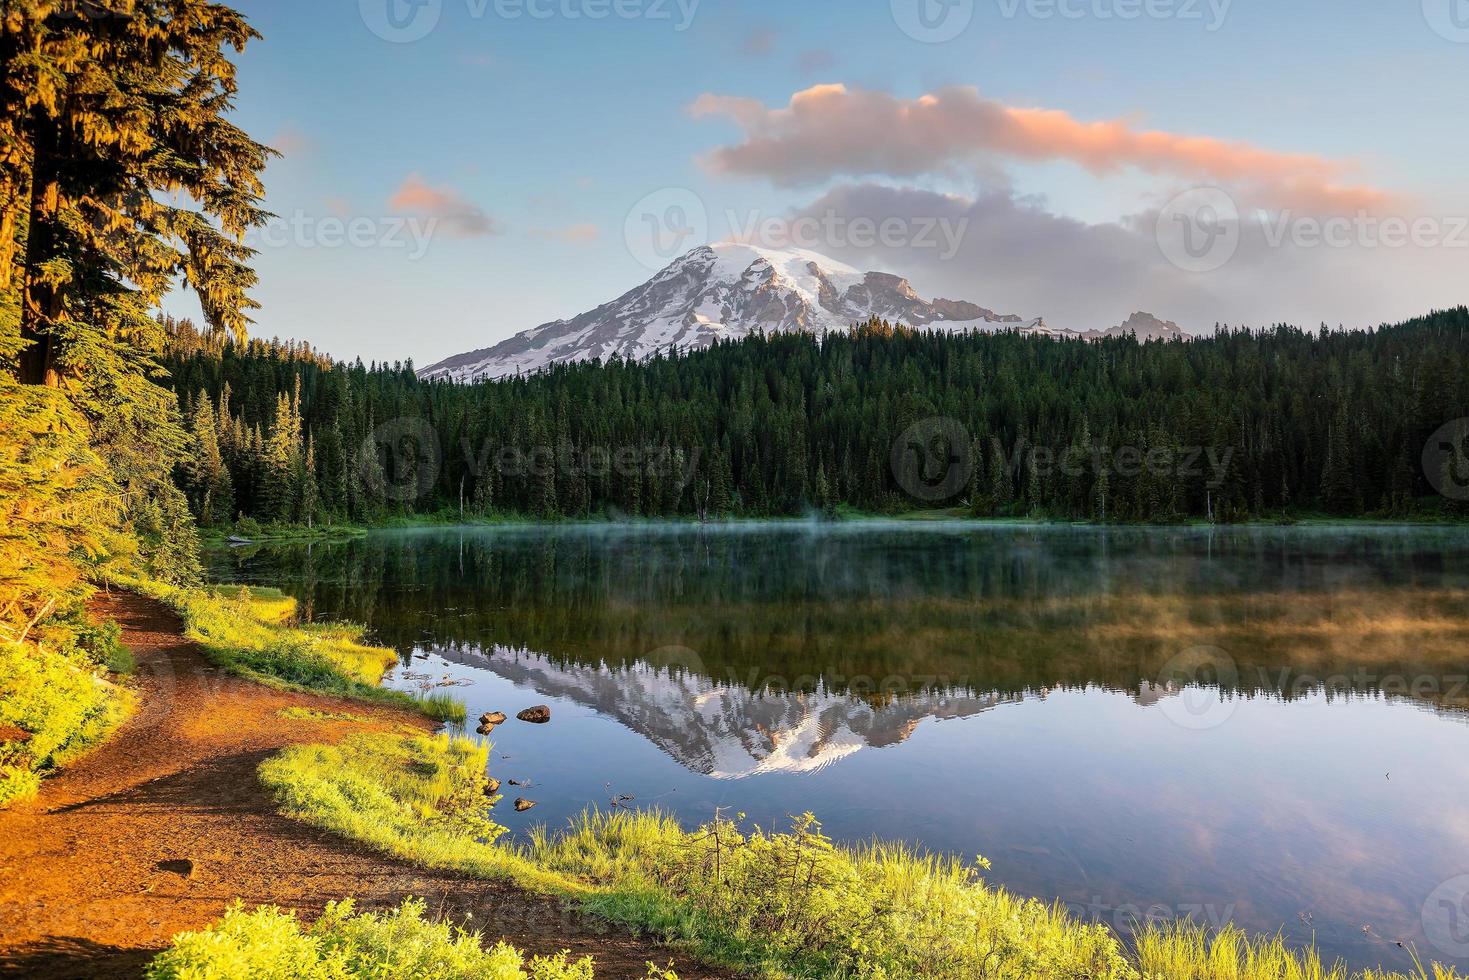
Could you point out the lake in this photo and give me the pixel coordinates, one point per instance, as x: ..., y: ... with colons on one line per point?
x: 1258, y: 725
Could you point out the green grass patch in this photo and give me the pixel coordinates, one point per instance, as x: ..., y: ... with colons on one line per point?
x: 788, y: 904
x: 269, y: 944
x: 1187, y: 953
x: 251, y: 633
x: 420, y: 797
x: 311, y: 714
x: 263, y: 604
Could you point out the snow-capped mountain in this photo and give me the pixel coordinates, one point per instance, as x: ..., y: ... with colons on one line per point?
x: 726, y: 291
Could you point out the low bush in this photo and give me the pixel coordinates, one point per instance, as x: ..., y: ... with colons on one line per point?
x: 269, y: 944
x: 56, y: 701
x: 248, y: 528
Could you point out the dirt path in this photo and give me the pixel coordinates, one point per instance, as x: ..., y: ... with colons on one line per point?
x: 89, y: 886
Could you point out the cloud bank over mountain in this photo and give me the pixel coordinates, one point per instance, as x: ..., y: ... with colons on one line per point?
x: 1019, y: 254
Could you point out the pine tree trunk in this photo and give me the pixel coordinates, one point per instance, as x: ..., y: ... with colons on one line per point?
x: 15, y: 183
x: 40, y: 304
x: 14, y: 192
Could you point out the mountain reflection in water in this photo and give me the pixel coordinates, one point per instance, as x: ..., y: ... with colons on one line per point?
x: 1264, y: 724
x: 728, y: 731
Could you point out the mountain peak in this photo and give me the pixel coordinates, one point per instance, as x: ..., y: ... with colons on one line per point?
x: 725, y: 291
x: 1147, y: 327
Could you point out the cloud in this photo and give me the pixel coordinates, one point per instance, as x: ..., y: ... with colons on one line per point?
x: 815, y: 60
x: 759, y: 43
x: 291, y: 141
x: 457, y: 216
x: 828, y: 131
x: 579, y: 234
x: 1016, y: 256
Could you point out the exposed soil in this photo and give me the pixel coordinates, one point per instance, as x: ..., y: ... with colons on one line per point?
x: 160, y: 829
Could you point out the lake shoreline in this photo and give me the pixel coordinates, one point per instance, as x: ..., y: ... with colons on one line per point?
x: 152, y: 833
x: 287, y: 534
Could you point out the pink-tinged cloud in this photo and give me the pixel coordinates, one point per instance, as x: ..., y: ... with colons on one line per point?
x: 831, y: 130
x: 457, y: 215
x: 291, y: 142
x: 582, y: 234
x: 1017, y: 255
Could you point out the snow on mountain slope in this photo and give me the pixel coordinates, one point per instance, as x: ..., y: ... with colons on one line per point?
x: 726, y: 291
x: 726, y: 730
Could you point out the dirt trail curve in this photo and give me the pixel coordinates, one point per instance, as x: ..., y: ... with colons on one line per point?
x: 89, y: 886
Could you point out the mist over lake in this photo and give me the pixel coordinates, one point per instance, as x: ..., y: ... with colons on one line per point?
x: 1257, y: 725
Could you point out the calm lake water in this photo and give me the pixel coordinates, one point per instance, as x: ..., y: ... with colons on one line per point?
x: 1259, y: 725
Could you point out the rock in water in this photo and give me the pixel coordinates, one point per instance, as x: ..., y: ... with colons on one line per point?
x: 492, y: 786
x: 492, y: 718
x: 538, y: 715
x: 523, y: 805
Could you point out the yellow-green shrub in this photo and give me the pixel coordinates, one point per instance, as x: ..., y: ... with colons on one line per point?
x: 268, y: 944
x: 61, y: 701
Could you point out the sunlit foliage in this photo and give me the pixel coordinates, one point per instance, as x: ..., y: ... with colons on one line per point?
x: 267, y: 943
x: 779, y: 904
x: 120, y: 175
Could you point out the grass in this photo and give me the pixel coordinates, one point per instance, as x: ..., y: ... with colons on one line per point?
x: 1184, y: 953
x: 420, y: 797
x: 776, y: 904
x: 251, y: 633
x: 269, y: 606
x: 269, y: 944
x: 311, y: 714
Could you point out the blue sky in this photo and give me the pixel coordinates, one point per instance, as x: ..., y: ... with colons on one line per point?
x: 525, y: 142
